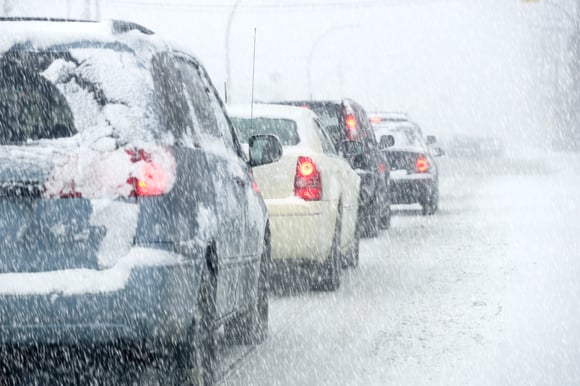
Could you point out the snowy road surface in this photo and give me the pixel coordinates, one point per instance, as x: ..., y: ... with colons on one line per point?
x: 484, y: 292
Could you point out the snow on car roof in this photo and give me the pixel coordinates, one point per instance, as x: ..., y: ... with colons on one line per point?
x: 302, y: 116
x: 41, y: 34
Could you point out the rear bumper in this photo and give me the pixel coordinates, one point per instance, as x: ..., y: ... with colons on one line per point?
x: 155, y: 303
x: 411, y: 190
x: 301, y: 230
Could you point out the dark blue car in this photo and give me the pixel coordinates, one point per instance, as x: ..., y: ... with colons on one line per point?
x: 127, y: 207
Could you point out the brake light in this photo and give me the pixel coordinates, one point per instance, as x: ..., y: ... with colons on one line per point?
x: 154, y: 174
x: 422, y: 164
x: 375, y: 120
x: 255, y: 186
x: 382, y: 168
x: 351, y: 127
x: 307, y: 182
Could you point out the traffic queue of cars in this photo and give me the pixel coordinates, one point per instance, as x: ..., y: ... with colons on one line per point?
x: 135, y: 210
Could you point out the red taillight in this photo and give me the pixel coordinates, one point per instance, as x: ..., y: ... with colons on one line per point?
x: 375, y: 120
x: 351, y: 127
x: 382, y: 168
x: 422, y: 164
x: 307, y: 182
x: 154, y: 174
x: 255, y: 186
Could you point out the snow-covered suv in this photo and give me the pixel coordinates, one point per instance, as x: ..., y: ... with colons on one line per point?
x: 127, y: 208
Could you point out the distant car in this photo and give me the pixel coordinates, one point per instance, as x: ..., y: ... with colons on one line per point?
x: 346, y: 121
x: 414, y: 176
x: 476, y: 147
x: 127, y: 212
x: 311, y: 192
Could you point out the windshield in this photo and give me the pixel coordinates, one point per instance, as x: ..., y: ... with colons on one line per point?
x: 284, y: 129
x: 84, y: 90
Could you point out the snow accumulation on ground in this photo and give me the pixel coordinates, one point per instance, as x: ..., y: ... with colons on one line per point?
x: 485, y: 292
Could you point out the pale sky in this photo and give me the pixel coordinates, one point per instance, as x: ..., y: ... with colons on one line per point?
x: 467, y: 66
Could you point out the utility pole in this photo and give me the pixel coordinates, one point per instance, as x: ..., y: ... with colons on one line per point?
x: 87, y: 10
x: 228, y: 86
x: 98, y: 9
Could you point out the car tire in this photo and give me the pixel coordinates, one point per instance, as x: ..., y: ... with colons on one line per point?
x: 251, y: 327
x: 328, y: 275
x: 195, y: 357
x: 352, y: 258
x: 370, y: 221
x: 385, y: 222
x: 431, y: 204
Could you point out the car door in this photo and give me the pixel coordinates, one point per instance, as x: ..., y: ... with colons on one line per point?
x: 251, y: 227
x: 227, y: 174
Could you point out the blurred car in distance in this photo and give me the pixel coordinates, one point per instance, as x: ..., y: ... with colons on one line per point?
x: 311, y: 193
x: 414, y: 174
x: 475, y: 147
x: 347, y: 122
x: 127, y: 213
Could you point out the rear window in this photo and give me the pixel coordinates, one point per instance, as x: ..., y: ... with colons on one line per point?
x: 82, y: 88
x: 404, y: 135
x: 284, y: 129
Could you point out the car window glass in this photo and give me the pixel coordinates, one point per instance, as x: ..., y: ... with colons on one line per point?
x: 205, y: 110
x: 325, y: 141
x: 172, y: 99
x: 223, y: 123
x: 200, y: 109
x: 76, y: 89
x: 284, y: 129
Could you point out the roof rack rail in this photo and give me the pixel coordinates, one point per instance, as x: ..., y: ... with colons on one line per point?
x: 121, y: 26
x: 28, y: 18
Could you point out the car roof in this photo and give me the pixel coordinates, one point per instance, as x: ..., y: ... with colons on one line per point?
x: 43, y: 33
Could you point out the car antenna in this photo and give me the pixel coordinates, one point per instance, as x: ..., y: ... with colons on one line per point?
x: 253, y: 81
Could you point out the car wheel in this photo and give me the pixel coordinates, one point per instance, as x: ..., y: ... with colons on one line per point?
x: 252, y: 326
x: 431, y: 204
x: 385, y: 222
x: 328, y: 276
x: 370, y: 221
x: 196, y: 356
x: 351, y: 259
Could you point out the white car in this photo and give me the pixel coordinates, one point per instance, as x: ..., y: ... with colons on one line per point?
x: 311, y: 193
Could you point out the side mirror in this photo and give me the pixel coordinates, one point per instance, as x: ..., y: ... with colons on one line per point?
x: 351, y: 148
x: 437, y: 152
x: 386, y: 141
x: 264, y: 149
x: 431, y: 139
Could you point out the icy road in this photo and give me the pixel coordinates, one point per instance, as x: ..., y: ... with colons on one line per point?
x: 484, y: 292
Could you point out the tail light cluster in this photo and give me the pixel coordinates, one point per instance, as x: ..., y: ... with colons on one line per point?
x: 154, y: 172
x: 307, y: 182
x: 120, y: 173
x: 351, y: 127
x: 422, y: 164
